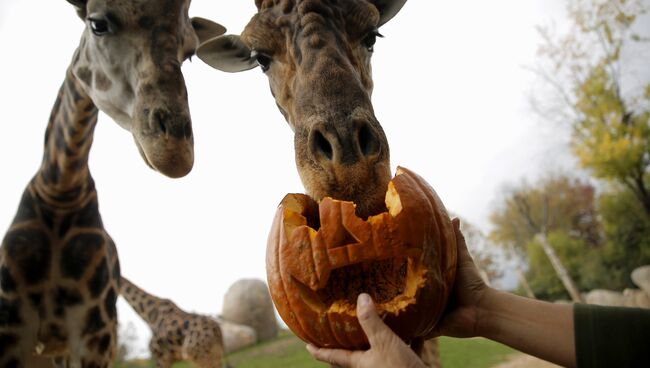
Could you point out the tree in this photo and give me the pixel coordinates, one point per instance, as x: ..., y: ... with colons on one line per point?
x: 485, y: 254
x: 126, y: 339
x: 530, y: 216
x: 585, y: 69
x: 627, y: 234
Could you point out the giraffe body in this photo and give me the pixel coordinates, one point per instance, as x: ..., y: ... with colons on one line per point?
x: 59, y: 269
x: 176, y: 334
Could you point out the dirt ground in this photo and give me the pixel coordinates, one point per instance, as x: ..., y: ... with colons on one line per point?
x: 524, y: 361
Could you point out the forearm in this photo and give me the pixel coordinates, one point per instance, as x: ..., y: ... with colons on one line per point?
x: 538, y: 328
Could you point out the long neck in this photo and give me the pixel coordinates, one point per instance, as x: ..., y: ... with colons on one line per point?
x: 148, y: 307
x: 64, y: 176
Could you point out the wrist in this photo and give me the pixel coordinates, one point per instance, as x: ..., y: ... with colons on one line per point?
x: 485, y: 306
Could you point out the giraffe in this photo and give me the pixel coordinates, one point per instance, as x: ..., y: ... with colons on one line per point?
x: 176, y: 334
x: 316, y: 55
x: 59, y: 269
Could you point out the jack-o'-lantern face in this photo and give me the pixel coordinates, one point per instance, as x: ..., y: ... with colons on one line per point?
x: 320, y: 257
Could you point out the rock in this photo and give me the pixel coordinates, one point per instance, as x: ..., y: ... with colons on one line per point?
x: 247, y: 302
x: 605, y: 297
x: 635, y: 298
x: 641, y: 277
x: 236, y: 336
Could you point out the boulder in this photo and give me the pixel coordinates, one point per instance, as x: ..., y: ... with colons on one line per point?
x: 641, y: 278
x: 236, y: 336
x: 604, y: 297
x: 635, y: 298
x: 247, y: 302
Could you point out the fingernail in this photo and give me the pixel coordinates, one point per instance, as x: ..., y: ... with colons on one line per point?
x: 363, y: 300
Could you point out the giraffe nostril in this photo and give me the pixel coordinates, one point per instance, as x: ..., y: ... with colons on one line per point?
x: 321, y: 145
x: 368, y: 141
x: 159, y: 121
x: 162, y: 127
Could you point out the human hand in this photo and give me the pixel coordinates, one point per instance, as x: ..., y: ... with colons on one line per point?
x: 386, y: 348
x: 461, y: 316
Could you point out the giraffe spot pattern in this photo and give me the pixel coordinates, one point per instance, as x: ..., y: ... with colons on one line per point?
x: 26, y: 209
x: 29, y: 250
x: 65, y: 297
x: 35, y: 298
x: 7, y: 282
x: 99, y: 280
x: 94, y: 321
x: 78, y: 252
x: 9, y: 312
x: 102, y: 82
x: 12, y: 363
x: 7, y: 340
x: 104, y: 344
x: 85, y: 75
x: 88, y: 216
x: 109, y: 304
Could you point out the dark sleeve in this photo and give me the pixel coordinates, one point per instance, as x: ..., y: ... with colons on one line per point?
x: 611, y: 336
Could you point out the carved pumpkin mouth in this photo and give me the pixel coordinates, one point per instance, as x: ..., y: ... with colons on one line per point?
x: 321, y: 256
x: 391, y: 276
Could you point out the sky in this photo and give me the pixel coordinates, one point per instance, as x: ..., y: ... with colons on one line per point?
x: 451, y: 92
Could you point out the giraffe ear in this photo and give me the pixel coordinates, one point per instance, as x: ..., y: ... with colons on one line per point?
x: 387, y: 9
x: 206, y: 29
x: 226, y: 53
x: 80, y: 6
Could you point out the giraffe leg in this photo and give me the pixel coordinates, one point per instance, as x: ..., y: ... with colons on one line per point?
x: 18, y: 326
x: 161, y: 356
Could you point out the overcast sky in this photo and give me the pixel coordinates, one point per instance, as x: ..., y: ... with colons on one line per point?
x: 451, y: 92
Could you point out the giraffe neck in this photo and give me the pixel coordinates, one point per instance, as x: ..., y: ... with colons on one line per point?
x: 149, y: 307
x: 64, y: 177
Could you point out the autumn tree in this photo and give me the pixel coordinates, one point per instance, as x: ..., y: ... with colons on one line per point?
x: 487, y: 257
x: 596, y: 91
x: 530, y: 218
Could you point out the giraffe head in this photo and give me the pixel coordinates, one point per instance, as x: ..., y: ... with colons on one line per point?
x: 129, y: 63
x: 316, y: 55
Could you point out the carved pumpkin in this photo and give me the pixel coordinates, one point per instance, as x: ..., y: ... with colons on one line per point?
x: 320, y: 257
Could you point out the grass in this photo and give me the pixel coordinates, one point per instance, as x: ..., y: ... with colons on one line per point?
x: 287, y: 351
x: 474, y: 353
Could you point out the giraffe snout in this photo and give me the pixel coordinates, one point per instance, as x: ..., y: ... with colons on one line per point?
x: 162, y: 121
x: 349, y: 145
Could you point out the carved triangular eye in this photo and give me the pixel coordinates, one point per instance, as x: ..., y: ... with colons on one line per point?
x: 342, y: 238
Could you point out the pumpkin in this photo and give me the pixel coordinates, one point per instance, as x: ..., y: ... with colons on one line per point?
x: 321, y: 256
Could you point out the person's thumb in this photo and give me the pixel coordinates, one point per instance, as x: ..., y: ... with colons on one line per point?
x: 371, y: 324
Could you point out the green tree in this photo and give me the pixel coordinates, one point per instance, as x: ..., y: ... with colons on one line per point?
x: 584, y: 264
x: 586, y: 70
x: 627, y: 233
x: 540, y: 218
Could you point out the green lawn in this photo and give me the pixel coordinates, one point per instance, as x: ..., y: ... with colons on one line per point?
x: 472, y: 353
x: 287, y: 351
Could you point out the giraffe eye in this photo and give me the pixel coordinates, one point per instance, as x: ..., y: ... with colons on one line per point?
x: 369, y: 41
x: 100, y: 27
x: 263, y: 60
